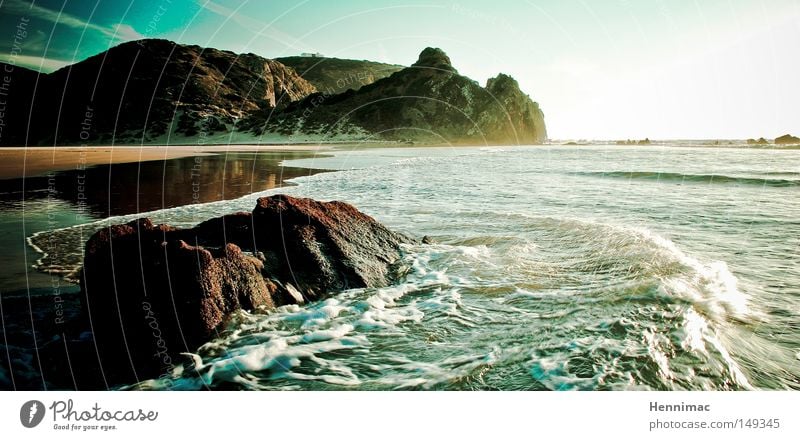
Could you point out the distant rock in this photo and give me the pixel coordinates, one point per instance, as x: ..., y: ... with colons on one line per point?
x: 787, y: 139
x: 760, y: 141
x: 645, y: 141
x: 510, y: 116
x: 152, y: 292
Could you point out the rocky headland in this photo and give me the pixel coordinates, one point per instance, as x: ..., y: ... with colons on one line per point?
x: 428, y: 102
x: 157, y: 92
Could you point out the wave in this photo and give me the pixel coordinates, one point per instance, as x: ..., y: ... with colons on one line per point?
x: 664, y: 312
x: 614, y: 254
x: 322, y: 342
x: 693, y: 178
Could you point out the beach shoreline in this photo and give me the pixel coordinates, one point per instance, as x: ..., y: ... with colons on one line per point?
x: 20, y: 162
x: 23, y: 162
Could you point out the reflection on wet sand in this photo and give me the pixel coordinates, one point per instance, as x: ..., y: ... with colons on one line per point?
x: 129, y: 188
x: 67, y: 198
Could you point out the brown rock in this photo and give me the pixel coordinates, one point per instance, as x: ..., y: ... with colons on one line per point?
x: 230, y: 228
x: 323, y: 246
x: 152, y: 292
x: 150, y: 296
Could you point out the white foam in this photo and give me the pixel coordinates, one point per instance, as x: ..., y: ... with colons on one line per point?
x: 712, y: 285
x: 552, y: 372
x: 286, y: 342
x: 695, y: 327
x: 653, y: 342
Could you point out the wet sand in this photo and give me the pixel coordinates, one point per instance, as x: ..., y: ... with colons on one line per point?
x: 37, y: 161
x: 69, y: 197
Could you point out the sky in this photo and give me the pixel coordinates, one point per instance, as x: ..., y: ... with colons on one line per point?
x: 611, y: 69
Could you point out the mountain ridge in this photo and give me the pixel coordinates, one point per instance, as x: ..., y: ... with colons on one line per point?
x: 159, y: 92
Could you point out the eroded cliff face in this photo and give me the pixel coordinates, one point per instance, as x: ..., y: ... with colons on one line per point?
x: 511, y: 116
x: 426, y: 102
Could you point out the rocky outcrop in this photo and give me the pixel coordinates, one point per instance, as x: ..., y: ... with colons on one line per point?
x: 427, y: 102
x: 645, y: 141
x: 152, y: 292
x: 760, y: 141
x: 510, y: 116
x: 434, y: 58
x: 787, y: 139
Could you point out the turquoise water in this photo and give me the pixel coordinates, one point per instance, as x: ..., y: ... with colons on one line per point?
x: 555, y: 267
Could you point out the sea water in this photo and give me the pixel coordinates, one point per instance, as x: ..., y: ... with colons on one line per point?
x: 553, y: 268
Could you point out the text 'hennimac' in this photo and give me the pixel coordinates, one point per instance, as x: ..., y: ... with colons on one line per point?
x: 679, y: 407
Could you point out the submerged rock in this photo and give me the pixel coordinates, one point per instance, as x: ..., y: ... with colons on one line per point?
x: 152, y: 292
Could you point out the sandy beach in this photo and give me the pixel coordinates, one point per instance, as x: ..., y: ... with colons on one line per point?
x: 36, y: 161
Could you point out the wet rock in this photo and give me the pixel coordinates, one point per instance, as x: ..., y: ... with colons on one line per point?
x: 323, y: 246
x: 149, y: 295
x: 151, y: 292
x: 230, y: 228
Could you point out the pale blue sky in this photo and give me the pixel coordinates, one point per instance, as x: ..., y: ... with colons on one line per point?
x: 600, y: 69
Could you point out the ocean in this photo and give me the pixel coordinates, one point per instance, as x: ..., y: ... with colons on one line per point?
x: 588, y: 267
